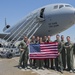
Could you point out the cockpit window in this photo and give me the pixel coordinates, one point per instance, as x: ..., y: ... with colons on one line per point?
x: 56, y: 6
x: 67, y: 6
x: 60, y: 6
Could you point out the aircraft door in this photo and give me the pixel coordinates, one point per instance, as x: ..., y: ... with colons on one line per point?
x: 42, y: 13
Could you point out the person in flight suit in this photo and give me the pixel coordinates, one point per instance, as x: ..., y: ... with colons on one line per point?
x: 24, y: 52
x: 41, y: 61
x: 32, y: 61
x: 26, y: 57
x: 37, y: 60
x: 58, y: 60
x: 48, y: 61
x: 45, y: 60
x: 51, y: 60
x: 45, y: 39
x: 69, y: 48
x: 63, y: 52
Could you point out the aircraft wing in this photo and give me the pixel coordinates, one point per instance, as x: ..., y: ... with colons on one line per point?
x: 2, y: 35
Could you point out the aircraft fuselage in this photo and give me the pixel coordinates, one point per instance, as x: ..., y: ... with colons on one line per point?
x: 56, y: 18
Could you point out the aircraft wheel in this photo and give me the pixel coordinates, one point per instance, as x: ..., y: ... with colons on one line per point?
x: 9, y: 55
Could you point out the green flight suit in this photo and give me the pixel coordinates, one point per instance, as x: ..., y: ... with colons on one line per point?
x: 69, y: 55
x: 23, y: 54
x: 26, y: 57
x: 21, y: 59
x: 63, y: 52
x: 58, y: 60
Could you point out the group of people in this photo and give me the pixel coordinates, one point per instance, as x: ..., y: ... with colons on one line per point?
x: 63, y: 61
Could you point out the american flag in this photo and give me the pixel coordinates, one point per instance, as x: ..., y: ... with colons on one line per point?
x: 43, y: 51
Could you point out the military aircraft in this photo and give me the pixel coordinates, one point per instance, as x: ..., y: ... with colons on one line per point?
x: 47, y: 20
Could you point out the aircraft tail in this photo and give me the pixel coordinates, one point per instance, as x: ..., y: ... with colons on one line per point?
x: 6, y: 26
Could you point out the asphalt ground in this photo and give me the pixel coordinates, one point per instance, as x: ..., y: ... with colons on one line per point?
x: 10, y: 67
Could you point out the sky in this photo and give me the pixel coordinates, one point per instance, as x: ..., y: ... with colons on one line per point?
x: 15, y: 10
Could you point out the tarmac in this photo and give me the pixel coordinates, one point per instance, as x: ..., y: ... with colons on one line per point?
x: 10, y: 67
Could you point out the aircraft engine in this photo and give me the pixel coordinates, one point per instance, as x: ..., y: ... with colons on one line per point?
x: 6, y: 27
